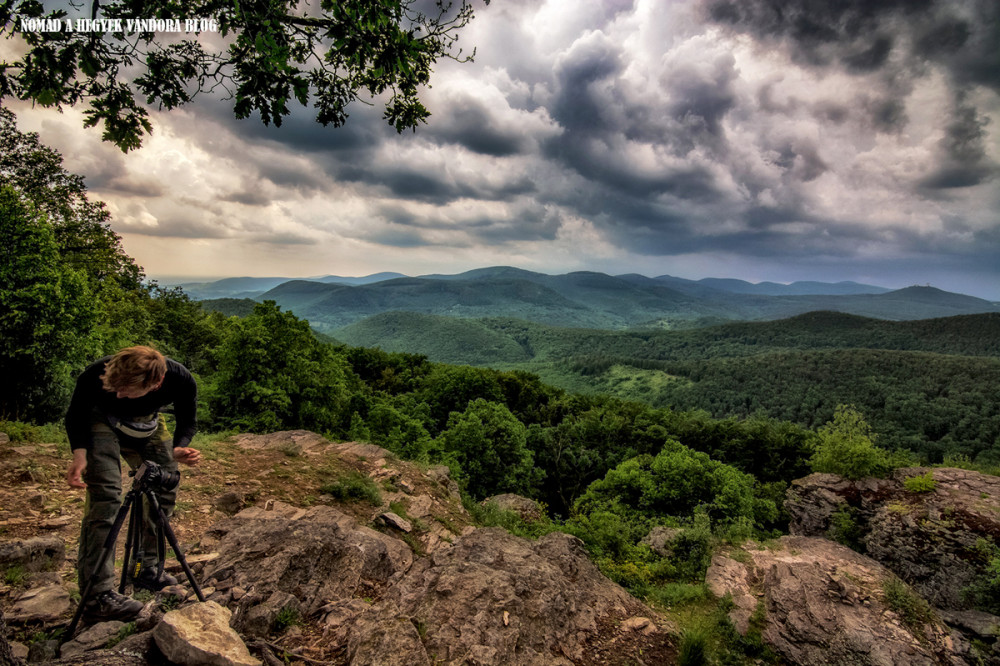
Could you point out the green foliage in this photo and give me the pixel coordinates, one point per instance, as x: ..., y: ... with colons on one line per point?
x: 491, y: 515
x: 694, y: 647
x: 846, y: 447
x: 911, y: 607
x: 126, y: 630
x: 923, y: 483
x: 328, y: 56
x: 673, y: 484
x: 984, y: 592
x: 289, y: 616
x: 15, y: 575
x: 354, y: 486
x: 845, y: 530
x: 274, y: 374
x: 46, y: 314
x: 487, y: 450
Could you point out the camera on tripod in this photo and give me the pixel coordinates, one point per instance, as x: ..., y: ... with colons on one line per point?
x: 150, y: 476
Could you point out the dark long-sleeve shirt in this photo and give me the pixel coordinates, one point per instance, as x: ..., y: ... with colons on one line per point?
x: 178, y: 388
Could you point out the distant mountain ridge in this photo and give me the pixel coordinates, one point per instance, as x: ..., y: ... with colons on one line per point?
x: 584, y: 299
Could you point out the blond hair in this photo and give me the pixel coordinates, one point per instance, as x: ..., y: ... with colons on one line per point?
x: 134, y: 367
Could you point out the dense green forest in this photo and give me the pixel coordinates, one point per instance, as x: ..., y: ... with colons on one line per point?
x: 924, y: 385
x: 608, y: 469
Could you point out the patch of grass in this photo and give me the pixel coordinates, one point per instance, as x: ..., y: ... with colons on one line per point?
x: 912, y: 609
x: 122, y: 634
x: 672, y: 595
x: 289, y: 616
x: 923, y: 483
x: 898, y: 508
x: 16, y: 575
x: 170, y: 602
x: 19, y: 431
x: 695, y: 645
x: 354, y: 487
x: 490, y: 515
x: 291, y: 449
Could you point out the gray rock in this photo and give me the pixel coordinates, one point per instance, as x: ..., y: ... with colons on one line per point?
x: 318, y: 556
x: 660, y: 539
x: 392, y: 520
x: 494, y: 598
x: 93, y: 637
x: 9, y: 655
x: 260, y: 619
x: 230, y: 503
x: 817, y: 602
x: 41, y: 604
x: 36, y: 554
x: 200, y: 634
x: 928, y: 539
x: 528, y: 509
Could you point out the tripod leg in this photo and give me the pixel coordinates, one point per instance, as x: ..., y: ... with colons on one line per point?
x: 164, y: 524
x: 109, y: 549
x: 133, y: 543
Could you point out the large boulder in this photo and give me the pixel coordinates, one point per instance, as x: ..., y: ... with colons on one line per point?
x: 817, y: 602
x: 319, y: 555
x: 933, y: 539
x: 198, y: 635
x: 495, y: 598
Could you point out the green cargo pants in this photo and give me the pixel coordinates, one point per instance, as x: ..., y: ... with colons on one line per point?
x: 103, y: 477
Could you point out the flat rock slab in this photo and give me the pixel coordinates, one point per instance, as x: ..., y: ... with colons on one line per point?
x: 42, y: 604
x: 92, y: 638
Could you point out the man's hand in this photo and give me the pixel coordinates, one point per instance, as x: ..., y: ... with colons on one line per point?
x: 187, y: 455
x: 74, y: 477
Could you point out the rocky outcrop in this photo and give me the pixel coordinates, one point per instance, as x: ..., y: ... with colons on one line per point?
x: 318, y: 555
x: 937, y: 540
x: 528, y: 509
x: 817, y: 602
x: 498, y: 599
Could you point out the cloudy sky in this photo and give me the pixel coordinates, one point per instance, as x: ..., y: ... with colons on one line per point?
x: 758, y: 139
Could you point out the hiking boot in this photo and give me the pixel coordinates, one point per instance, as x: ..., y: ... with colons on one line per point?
x: 147, y: 580
x: 110, y: 606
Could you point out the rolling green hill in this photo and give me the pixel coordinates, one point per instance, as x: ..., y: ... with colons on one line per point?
x: 599, y: 301
x: 447, y: 340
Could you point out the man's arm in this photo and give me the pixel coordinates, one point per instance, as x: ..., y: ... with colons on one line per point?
x: 185, y: 413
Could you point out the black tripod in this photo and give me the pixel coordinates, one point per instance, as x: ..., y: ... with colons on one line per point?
x: 148, y: 477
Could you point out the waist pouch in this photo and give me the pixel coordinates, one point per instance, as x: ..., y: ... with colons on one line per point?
x: 142, y: 427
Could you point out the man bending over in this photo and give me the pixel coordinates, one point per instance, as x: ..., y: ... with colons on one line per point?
x: 114, y: 414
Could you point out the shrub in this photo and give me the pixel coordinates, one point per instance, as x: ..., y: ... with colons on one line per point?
x: 923, y: 483
x: 846, y: 447
x: 355, y: 486
x: 911, y: 607
x: 844, y: 528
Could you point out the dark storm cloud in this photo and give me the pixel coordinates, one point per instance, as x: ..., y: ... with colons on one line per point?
x: 467, y: 122
x: 519, y: 222
x: 248, y: 197
x: 700, y: 101
x: 579, y: 106
x: 861, y: 35
x: 965, y: 162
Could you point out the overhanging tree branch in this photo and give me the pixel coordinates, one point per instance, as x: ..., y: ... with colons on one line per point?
x: 267, y: 53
